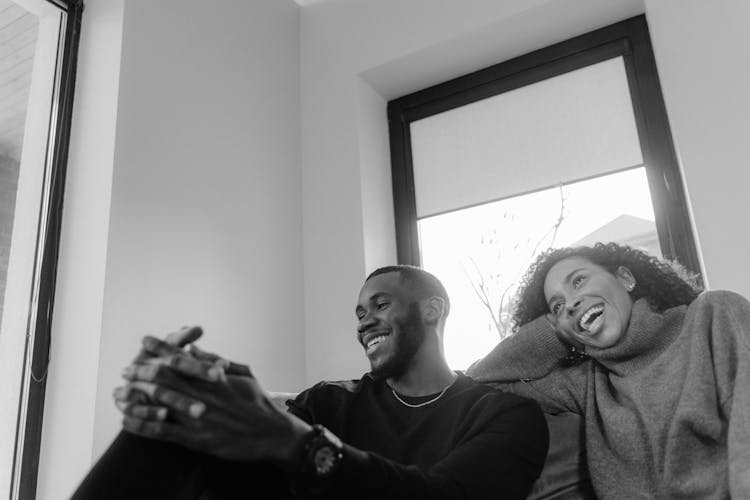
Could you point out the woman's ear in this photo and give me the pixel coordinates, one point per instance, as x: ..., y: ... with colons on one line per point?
x: 433, y: 309
x: 625, y: 277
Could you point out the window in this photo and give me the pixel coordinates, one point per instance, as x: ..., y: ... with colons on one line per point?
x: 38, y: 43
x: 567, y: 145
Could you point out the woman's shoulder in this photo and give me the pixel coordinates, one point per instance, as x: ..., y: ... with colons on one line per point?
x: 724, y: 313
x: 720, y: 300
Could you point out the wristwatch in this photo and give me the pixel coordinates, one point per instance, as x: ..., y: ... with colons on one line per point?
x: 323, y: 453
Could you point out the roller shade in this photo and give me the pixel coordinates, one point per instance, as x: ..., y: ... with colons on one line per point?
x: 576, y: 125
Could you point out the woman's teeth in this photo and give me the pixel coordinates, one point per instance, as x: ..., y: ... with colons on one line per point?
x: 590, y: 317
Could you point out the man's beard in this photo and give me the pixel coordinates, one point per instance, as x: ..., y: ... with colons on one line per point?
x: 408, y: 341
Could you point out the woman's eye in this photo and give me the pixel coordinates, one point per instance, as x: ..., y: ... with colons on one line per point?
x: 577, y: 281
x: 556, y: 307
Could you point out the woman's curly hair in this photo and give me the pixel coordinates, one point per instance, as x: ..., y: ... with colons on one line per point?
x: 663, y: 283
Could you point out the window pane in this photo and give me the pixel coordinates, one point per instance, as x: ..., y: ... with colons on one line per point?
x: 480, y: 253
x: 30, y: 32
x: 18, y: 35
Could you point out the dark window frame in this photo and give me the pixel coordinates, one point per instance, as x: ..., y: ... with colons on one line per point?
x: 48, y: 237
x: 629, y: 39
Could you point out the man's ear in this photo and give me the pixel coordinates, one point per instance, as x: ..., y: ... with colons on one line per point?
x: 433, y: 309
x: 625, y: 277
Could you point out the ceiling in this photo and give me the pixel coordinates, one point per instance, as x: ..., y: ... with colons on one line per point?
x: 18, y: 33
x: 303, y: 3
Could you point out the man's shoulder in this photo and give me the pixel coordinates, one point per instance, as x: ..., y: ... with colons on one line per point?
x: 325, y: 401
x: 339, y: 388
x: 490, y: 395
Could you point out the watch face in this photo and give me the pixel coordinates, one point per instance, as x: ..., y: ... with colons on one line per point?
x: 325, y: 459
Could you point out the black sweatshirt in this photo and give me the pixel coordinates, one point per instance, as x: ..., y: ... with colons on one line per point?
x: 474, y: 442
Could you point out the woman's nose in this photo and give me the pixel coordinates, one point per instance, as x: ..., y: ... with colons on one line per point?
x: 573, y: 305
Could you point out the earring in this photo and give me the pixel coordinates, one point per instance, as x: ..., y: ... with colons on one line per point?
x: 630, y: 286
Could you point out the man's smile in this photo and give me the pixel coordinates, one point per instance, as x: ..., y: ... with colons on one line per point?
x: 370, y: 341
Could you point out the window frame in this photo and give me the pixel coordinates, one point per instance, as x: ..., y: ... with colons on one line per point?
x: 36, y: 356
x: 629, y: 39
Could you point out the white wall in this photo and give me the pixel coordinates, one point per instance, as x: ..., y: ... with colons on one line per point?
x: 205, y: 223
x: 69, y: 410
x: 196, y: 129
x: 702, y: 51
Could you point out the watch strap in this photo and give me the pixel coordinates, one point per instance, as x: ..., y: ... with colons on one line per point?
x: 323, y: 452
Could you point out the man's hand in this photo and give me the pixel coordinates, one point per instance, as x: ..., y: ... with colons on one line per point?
x: 172, y: 344
x: 153, y: 348
x: 208, y: 404
x: 166, y: 351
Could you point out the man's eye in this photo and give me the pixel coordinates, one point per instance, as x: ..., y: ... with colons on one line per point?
x: 577, y: 281
x: 556, y: 307
x: 382, y: 305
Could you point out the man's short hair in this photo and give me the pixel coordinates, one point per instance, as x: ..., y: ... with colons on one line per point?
x: 422, y: 284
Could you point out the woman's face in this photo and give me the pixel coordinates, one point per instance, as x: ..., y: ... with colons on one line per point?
x: 588, y: 304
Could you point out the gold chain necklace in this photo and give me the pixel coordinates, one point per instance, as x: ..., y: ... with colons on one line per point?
x: 420, y: 404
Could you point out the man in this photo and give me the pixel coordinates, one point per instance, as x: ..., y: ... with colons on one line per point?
x: 410, y: 428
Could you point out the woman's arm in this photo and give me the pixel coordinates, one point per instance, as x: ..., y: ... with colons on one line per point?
x: 731, y: 329
x: 528, y: 364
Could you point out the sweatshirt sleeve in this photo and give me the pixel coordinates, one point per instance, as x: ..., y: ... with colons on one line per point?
x: 528, y: 364
x: 731, y: 322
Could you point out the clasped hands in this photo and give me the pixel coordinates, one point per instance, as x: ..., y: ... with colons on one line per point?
x: 178, y: 393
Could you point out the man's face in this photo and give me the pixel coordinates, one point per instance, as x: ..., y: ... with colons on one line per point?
x: 390, y: 327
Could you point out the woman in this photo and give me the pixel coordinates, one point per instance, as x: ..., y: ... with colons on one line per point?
x: 659, y: 371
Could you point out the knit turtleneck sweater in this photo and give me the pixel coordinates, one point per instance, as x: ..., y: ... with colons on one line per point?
x: 666, y: 410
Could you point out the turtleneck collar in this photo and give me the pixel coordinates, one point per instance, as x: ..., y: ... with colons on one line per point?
x: 646, y: 337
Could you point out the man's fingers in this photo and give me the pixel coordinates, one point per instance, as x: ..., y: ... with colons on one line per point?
x: 180, y: 363
x: 171, y: 399
x: 143, y: 372
x: 238, y: 370
x: 230, y: 367
x: 191, y: 367
x: 184, y: 336
x: 142, y: 411
x: 127, y: 394
x: 181, y: 403
x: 199, y: 353
x: 157, y: 347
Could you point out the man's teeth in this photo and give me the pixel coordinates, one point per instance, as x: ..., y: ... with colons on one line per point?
x: 589, y: 317
x: 376, y: 340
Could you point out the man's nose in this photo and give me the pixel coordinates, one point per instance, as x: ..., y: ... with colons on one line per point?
x: 365, y: 322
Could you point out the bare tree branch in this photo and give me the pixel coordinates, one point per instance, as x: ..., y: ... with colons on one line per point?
x: 485, y: 282
x: 481, y: 291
